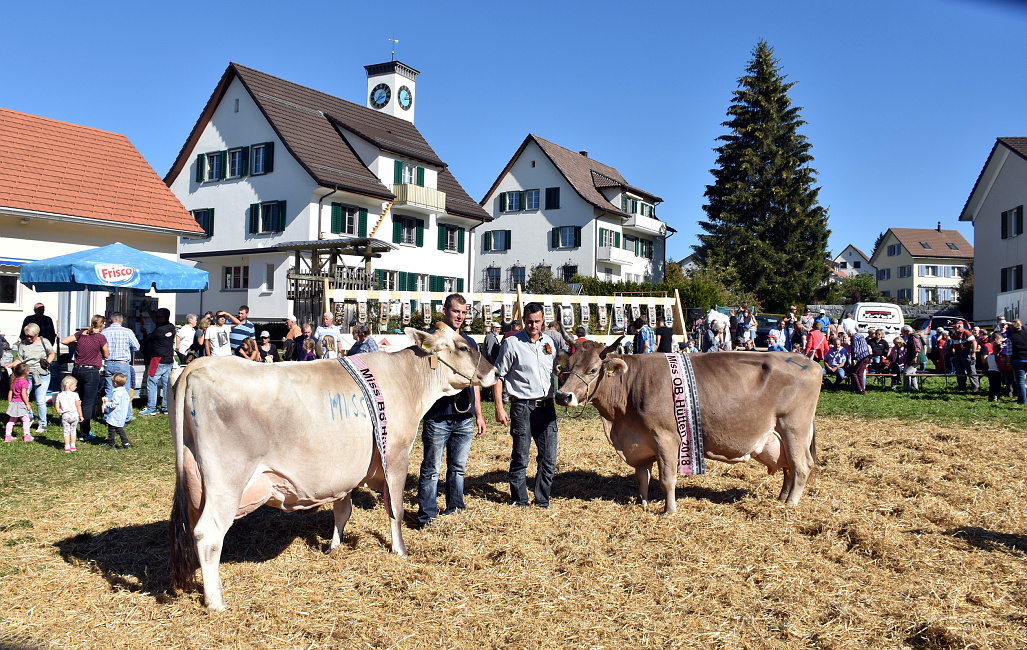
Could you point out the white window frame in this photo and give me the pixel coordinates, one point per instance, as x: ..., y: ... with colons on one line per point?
x: 16, y: 304
x: 258, y: 159
x: 499, y: 242
x: 511, y: 199
x: 421, y: 280
x: 408, y: 230
x: 531, y: 200
x: 451, y: 238
x: 213, y: 161
x: 565, y: 233
x: 234, y: 162
x: 236, y: 275
x: 493, y: 279
x: 409, y: 174
x: 516, y: 271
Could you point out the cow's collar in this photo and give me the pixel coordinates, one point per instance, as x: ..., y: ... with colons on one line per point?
x: 588, y: 387
x: 435, y: 359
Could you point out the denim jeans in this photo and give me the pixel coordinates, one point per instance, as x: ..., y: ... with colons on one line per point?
x: 1020, y: 373
x: 839, y: 376
x: 88, y: 379
x: 112, y: 367
x: 528, y: 422
x: 38, y: 393
x: 161, y: 377
x: 453, y: 437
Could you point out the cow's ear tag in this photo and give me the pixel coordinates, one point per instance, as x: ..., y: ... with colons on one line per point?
x: 610, y: 371
x: 434, y: 361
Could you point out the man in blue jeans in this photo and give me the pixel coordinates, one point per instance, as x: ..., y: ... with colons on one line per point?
x: 162, y: 342
x: 448, y: 426
x: 121, y: 342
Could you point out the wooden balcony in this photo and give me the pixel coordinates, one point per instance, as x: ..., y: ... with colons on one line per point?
x: 423, y: 200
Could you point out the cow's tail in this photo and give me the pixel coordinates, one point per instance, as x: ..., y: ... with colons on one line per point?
x: 182, y: 558
x: 813, y: 448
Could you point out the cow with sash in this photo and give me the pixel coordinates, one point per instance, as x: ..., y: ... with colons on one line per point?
x: 299, y: 435
x: 678, y: 409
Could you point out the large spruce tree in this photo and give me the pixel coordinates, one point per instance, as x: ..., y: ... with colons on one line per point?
x: 764, y: 225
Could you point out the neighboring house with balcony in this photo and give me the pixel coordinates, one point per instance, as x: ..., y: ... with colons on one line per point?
x: 995, y: 207
x: 920, y: 265
x: 852, y: 261
x: 559, y: 208
x: 271, y: 165
x: 66, y: 188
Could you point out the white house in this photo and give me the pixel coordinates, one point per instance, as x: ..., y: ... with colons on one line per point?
x: 65, y: 188
x: 559, y: 208
x: 852, y: 261
x: 271, y: 164
x: 920, y: 265
x: 995, y: 207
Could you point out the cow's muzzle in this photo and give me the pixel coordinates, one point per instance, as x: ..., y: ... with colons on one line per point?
x: 566, y: 399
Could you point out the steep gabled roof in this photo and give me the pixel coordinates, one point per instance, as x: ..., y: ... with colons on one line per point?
x: 1015, y: 145
x: 67, y: 169
x: 308, y: 122
x: 938, y: 241
x: 585, y: 175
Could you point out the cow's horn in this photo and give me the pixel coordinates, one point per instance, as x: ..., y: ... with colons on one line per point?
x: 610, y: 348
x: 559, y: 320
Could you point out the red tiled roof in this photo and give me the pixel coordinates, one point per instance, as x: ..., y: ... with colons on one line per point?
x: 67, y: 169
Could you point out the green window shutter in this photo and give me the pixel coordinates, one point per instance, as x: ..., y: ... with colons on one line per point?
x: 397, y: 230
x: 337, y: 218
x: 254, y: 218
x: 1019, y: 219
x: 397, y: 175
x: 402, y: 280
x: 502, y: 195
x: 634, y: 206
x: 420, y: 176
x: 460, y: 240
x: 433, y: 283
x: 280, y: 217
x: 223, y: 156
x: 507, y: 247
x: 411, y: 284
x: 245, y: 154
x: 524, y: 200
x: 459, y: 284
x: 269, y: 157
x: 577, y: 236
x: 554, y: 235
x: 419, y: 235
x: 602, y: 236
x: 381, y: 277
x: 623, y: 203
x: 616, y: 240
x: 362, y: 223
x: 638, y: 247
x: 210, y: 222
x: 442, y: 237
x: 486, y: 241
x: 201, y: 165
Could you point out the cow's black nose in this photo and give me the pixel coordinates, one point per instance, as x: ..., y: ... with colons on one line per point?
x: 563, y: 398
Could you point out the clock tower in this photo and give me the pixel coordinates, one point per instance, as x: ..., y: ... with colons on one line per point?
x: 390, y: 89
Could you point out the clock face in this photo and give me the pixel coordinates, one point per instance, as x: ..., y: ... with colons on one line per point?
x: 380, y: 95
x: 406, y: 98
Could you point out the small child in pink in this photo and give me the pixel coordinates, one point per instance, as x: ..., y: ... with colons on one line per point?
x: 69, y: 408
x: 18, y: 401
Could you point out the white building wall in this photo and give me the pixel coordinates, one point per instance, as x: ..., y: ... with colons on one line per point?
x: 42, y: 238
x: 991, y: 252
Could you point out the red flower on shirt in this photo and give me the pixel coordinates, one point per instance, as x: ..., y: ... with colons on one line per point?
x: 547, y: 349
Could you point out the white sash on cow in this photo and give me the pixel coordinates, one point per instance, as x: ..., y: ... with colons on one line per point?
x: 691, y: 460
x: 375, y: 401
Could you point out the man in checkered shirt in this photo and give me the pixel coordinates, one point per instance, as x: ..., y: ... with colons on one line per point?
x: 121, y: 342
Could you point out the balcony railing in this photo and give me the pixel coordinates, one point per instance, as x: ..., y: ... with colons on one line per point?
x: 419, y: 198
x: 615, y: 255
x: 646, y: 225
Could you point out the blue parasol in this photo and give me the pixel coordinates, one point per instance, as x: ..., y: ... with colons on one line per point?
x: 112, y: 267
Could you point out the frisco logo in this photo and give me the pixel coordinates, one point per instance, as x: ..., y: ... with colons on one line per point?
x: 114, y: 273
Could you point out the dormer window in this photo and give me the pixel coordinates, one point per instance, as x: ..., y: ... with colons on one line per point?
x: 925, y: 245
x: 952, y: 246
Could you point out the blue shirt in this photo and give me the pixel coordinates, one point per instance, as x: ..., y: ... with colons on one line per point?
x: 836, y: 358
x: 645, y: 340
x: 240, y: 332
x: 116, y: 411
x: 455, y: 407
x: 121, y: 342
x: 360, y: 347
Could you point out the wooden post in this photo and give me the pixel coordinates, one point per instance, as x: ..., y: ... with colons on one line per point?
x: 679, y: 318
x: 517, y: 307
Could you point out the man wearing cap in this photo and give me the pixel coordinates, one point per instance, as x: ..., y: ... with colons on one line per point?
x: 824, y: 321
x: 292, y: 328
x: 963, y: 348
x: 490, y: 345
x: 448, y: 427
x: 525, y: 368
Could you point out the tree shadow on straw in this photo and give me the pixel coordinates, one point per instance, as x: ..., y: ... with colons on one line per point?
x: 989, y: 540
x: 135, y: 558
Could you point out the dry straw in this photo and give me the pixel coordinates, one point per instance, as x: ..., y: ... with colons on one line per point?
x: 907, y: 537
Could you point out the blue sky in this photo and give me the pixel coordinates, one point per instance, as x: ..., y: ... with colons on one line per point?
x: 903, y: 100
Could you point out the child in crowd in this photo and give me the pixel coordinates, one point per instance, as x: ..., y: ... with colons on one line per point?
x: 328, y: 343
x: 116, y: 411
x: 69, y: 408
x: 308, y: 350
x: 18, y: 402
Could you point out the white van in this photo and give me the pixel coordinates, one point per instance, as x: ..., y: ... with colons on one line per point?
x: 876, y: 315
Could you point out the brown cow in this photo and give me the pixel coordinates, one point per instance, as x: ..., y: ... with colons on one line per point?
x: 752, y: 405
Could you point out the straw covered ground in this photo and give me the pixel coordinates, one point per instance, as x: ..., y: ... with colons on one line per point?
x: 908, y: 536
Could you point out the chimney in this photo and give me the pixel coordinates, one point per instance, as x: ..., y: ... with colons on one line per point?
x: 584, y: 153
x: 939, y: 226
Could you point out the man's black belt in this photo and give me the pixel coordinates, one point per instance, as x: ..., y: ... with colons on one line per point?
x: 534, y: 403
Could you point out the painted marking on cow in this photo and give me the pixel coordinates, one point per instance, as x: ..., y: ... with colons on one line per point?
x: 352, y: 407
x: 791, y: 360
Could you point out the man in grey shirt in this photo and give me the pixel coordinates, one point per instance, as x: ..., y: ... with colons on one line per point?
x: 525, y: 366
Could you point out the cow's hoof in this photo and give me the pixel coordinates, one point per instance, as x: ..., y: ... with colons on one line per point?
x: 213, y: 609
